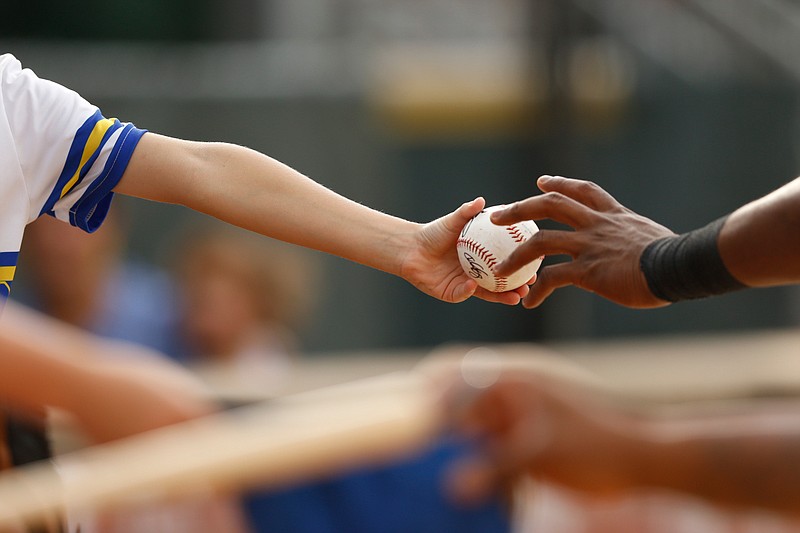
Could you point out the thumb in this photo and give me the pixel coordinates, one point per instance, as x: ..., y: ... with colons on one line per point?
x: 464, y: 291
x: 455, y: 221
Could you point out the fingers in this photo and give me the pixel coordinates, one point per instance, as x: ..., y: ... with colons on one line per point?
x: 470, y: 288
x: 470, y: 482
x: 454, y: 222
x: 550, y: 278
x: 542, y: 243
x: 586, y: 192
x: 551, y: 205
x: 508, y: 298
x: 472, y: 479
x: 565, y: 200
x: 513, y: 431
x: 467, y: 287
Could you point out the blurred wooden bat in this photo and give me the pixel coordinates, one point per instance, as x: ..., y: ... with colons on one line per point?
x: 278, y: 442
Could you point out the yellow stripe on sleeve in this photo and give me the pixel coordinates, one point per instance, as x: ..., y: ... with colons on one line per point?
x: 7, y: 273
x: 92, y: 144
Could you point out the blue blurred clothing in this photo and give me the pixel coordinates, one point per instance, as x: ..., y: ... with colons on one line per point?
x: 148, y: 315
x: 138, y: 305
x: 403, y: 497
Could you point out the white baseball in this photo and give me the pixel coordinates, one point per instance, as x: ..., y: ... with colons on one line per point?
x: 483, y: 245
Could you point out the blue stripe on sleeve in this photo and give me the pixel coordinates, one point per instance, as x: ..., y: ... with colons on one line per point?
x: 89, y: 212
x: 8, y: 258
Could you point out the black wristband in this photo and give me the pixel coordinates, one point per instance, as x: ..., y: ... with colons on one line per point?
x: 688, y: 266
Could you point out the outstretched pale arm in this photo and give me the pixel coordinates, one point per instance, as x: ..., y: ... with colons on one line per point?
x: 253, y: 191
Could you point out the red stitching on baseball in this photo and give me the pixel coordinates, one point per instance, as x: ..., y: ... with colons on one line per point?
x: 515, y: 233
x: 482, y: 252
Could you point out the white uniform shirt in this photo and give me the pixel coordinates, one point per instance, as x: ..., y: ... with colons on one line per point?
x: 58, y: 156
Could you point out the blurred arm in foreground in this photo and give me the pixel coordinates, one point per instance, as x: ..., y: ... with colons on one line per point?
x: 113, y: 389
x: 572, y: 435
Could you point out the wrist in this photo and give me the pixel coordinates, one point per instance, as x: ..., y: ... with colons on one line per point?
x: 688, y: 266
x: 398, y: 246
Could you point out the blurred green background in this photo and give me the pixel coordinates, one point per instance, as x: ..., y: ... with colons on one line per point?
x: 683, y: 110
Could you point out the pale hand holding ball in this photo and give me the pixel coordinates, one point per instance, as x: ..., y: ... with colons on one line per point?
x: 482, y: 245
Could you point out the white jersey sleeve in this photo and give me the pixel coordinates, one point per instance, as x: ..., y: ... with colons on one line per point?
x: 69, y: 155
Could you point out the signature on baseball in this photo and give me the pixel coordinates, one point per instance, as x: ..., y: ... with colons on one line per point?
x: 475, y: 269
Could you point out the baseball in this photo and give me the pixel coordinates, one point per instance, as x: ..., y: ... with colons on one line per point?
x: 482, y: 245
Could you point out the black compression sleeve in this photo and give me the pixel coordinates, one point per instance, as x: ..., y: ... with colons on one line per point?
x: 688, y: 266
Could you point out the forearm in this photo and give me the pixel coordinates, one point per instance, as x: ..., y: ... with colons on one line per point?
x: 38, y: 368
x: 760, y: 242
x: 256, y: 192
x: 757, y: 245
x: 748, y: 460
